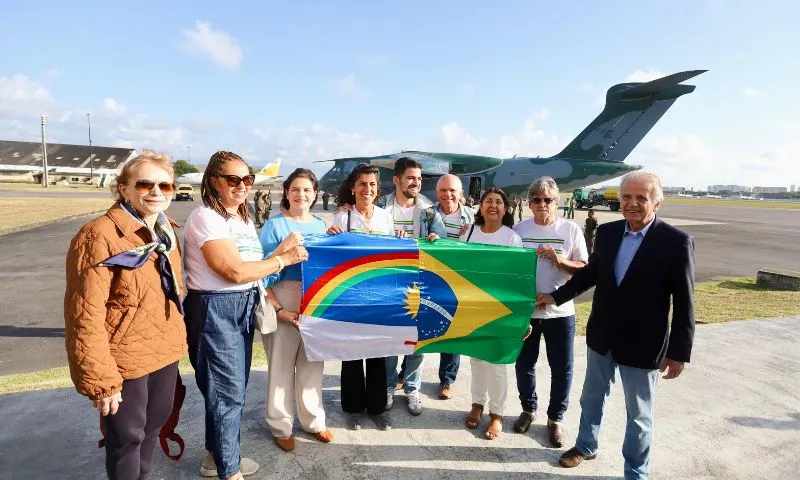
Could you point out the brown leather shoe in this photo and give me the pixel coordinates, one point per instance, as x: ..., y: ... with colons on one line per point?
x: 556, y: 433
x: 573, y: 457
x: 325, y: 436
x: 446, y: 391
x: 524, y: 421
x: 286, y: 443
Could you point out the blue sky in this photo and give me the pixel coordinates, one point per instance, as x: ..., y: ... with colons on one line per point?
x: 317, y: 80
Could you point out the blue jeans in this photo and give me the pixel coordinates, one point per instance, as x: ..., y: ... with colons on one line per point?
x: 412, y: 373
x: 559, y: 335
x: 639, y: 386
x: 220, y: 330
x: 448, y: 368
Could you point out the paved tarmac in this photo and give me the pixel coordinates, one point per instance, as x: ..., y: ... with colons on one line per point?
x: 729, y: 241
x: 733, y: 414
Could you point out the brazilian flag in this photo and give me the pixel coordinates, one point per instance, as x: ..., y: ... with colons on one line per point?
x: 374, y: 296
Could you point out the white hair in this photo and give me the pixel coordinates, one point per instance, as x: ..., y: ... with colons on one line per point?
x: 648, y: 178
x: 449, y: 175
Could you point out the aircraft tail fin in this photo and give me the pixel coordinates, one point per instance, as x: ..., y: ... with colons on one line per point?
x: 271, y: 170
x: 631, y: 111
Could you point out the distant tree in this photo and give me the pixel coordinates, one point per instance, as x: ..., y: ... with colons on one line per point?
x: 182, y: 167
x: 253, y: 170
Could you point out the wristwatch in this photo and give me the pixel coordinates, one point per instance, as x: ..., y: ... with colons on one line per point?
x: 278, y: 309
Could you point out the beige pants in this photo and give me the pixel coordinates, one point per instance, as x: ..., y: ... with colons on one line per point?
x: 489, y: 383
x: 290, y: 371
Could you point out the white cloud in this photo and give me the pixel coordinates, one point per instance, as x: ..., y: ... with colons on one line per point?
x: 19, y: 88
x: 467, y: 89
x: 348, y: 87
x: 111, y: 105
x: 644, y: 76
x: 751, y: 92
x: 222, y: 48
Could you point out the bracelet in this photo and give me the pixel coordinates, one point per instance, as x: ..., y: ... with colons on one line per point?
x: 280, y: 262
x: 278, y: 309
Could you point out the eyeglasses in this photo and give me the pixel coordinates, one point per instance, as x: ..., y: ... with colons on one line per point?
x: 146, y: 186
x: 235, y: 180
x: 537, y: 200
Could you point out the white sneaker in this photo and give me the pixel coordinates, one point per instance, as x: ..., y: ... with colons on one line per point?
x: 414, y: 402
x: 389, y: 398
x: 209, y: 467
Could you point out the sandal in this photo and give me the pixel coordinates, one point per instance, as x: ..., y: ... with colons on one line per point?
x: 325, y: 436
x: 474, y: 416
x: 286, y: 443
x: 495, y: 427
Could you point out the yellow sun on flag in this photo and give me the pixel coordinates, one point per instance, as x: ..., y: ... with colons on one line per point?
x: 412, y: 300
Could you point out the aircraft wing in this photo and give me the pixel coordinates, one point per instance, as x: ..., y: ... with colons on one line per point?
x: 430, y: 164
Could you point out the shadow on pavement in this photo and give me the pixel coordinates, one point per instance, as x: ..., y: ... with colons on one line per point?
x: 13, y: 331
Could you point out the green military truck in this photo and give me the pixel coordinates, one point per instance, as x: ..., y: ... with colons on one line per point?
x: 590, y: 198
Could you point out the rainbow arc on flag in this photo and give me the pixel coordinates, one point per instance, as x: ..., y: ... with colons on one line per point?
x: 370, y: 296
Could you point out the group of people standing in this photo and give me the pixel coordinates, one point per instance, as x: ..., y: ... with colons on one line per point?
x: 129, y: 321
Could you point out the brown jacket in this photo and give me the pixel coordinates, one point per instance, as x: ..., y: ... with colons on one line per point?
x: 118, y: 322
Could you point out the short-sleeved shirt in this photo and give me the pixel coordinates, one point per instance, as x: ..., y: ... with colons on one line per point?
x: 205, y: 225
x: 404, y: 219
x: 567, y: 240
x: 381, y: 222
x: 273, y: 233
x: 452, y: 224
x: 503, y: 237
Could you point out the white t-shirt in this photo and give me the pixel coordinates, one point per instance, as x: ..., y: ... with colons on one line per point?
x: 503, y: 237
x: 404, y: 219
x: 566, y: 238
x: 381, y: 222
x: 452, y: 224
x: 204, y: 225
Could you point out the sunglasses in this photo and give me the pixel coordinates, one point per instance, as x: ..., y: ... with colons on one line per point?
x: 147, y: 186
x: 235, y: 180
x: 537, y: 200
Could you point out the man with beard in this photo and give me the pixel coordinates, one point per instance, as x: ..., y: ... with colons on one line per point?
x: 414, y: 217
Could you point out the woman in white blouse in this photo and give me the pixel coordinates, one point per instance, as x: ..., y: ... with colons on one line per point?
x: 489, y: 382
x: 224, y: 260
x: 363, y: 389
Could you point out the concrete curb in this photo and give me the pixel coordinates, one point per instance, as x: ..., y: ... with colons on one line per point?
x: 31, y: 226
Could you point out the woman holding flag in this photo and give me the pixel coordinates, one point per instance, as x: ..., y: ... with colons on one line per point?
x: 363, y: 389
x: 290, y: 370
x: 124, y: 327
x: 489, y: 382
x: 224, y: 262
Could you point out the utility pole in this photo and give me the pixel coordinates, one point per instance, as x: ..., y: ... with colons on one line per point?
x: 91, y: 157
x: 188, y: 156
x: 44, y: 152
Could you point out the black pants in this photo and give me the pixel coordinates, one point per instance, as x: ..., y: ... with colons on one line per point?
x: 131, y: 433
x: 364, y: 392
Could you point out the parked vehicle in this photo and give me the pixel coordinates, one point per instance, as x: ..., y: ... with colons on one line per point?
x: 608, y: 196
x: 184, y: 192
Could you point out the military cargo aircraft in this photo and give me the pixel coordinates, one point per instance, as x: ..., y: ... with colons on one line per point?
x: 596, y: 155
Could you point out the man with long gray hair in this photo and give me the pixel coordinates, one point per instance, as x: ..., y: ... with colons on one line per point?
x: 561, y: 251
x: 639, y: 266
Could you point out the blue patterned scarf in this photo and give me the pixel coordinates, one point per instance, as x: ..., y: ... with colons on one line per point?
x: 136, y: 257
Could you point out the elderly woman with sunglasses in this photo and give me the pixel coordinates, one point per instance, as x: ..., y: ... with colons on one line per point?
x: 224, y: 262
x: 124, y: 329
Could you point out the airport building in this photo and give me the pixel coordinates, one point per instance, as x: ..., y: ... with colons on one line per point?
x: 22, y: 162
x: 769, y: 190
x: 729, y: 188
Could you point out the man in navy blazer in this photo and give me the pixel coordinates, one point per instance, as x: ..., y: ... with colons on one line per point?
x: 639, y: 265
